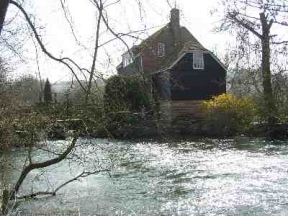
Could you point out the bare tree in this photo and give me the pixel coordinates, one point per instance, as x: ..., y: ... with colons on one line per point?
x: 75, y: 69
x: 255, y: 19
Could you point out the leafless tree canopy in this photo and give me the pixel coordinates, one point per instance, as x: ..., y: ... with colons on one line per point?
x: 258, y: 26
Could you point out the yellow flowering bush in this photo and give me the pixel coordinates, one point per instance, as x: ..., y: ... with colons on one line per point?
x: 227, y: 114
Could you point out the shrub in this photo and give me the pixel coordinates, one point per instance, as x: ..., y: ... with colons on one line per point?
x: 19, y: 124
x: 125, y: 98
x: 227, y: 114
x: 126, y: 92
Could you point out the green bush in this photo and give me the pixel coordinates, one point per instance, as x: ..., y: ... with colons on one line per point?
x: 125, y: 99
x: 126, y: 92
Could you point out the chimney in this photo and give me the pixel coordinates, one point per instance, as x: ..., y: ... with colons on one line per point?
x: 175, y: 25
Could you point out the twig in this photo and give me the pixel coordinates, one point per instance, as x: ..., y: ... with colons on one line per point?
x: 39, y: 165
x: 53, y: 193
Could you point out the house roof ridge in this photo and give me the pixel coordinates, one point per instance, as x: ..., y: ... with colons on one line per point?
x: 154, y: 35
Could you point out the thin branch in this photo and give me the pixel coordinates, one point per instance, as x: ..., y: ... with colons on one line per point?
x: 53, y: 193
x: 68, y: 18
x: 81, y: 175
x: 280, y: 42
x: 100, y: 10
x: 60, y: 60
x: 32, y: 166
x: 283, y: 23
x: 233, y: 16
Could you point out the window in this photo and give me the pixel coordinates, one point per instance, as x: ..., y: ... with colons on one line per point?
x: 198, y: 60
x: 127, y: 59
x: 161, y: 49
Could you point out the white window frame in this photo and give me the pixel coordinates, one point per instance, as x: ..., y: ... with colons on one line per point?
x: 198, y: 60
x: 161, y: 49
x: 127, y: 59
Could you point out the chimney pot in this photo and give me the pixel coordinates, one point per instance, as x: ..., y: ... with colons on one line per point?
x: 175, y: 17
x: 175, y: 25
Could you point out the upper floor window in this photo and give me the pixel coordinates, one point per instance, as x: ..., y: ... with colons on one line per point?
x: 127, y: 59
x: 198, y: 60
x: 161, y: 49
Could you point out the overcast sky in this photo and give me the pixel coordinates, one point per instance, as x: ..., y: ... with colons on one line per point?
x: 123, y: 17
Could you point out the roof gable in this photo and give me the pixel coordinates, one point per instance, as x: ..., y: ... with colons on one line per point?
x: 191, y: 51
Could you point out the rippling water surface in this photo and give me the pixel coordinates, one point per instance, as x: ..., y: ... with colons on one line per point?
x: 203, y: 177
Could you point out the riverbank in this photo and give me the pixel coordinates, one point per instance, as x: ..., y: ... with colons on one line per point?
x: 155, y: 130
x: 192, y: 129
x: 55, y: 121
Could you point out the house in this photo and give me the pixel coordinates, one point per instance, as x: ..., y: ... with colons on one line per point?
x: 182, y: 73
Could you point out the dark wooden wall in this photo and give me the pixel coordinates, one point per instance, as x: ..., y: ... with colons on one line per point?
x: 190, y: 84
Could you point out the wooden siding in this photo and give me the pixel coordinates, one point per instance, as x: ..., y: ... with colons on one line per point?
x: 186, y: 107
x: 170, y: 110
x: 191, y: 84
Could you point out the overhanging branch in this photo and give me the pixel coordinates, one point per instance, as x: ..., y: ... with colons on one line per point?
x: 32, y: 166
x: 43, y: 48
x: 53, y: 193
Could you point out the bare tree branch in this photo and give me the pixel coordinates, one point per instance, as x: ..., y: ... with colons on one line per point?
x: 53, y: 193
x: 100, y: 11
x: 60, y: 60
x: 31, y: 166
x: 243, y: 23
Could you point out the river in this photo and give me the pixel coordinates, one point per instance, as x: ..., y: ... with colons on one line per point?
x: 240, y: 176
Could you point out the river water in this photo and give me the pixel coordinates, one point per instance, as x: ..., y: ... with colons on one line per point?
x: 240, y: 176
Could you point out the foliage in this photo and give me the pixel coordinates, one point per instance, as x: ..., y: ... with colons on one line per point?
x: 47, y: 92
x: 125, y: 93
x: 125, y: 99
x: 19, y: 124
x: 3, y: 74
x: 245, y: 82
x: 227, y: 114
x: 280, y: 87
x: 28, y: 87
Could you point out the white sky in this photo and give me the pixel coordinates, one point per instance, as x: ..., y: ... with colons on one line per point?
x: 123, y: 17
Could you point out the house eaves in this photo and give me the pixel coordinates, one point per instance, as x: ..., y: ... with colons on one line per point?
x: 182, y: 55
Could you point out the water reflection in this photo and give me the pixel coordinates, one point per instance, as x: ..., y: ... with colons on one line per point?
x: 239, y: 176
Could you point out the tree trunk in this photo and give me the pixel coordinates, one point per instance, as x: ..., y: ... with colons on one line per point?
x: 5, y: 199
x: 270, y: 108
x: 3, y: 9
x: 88, y: 93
